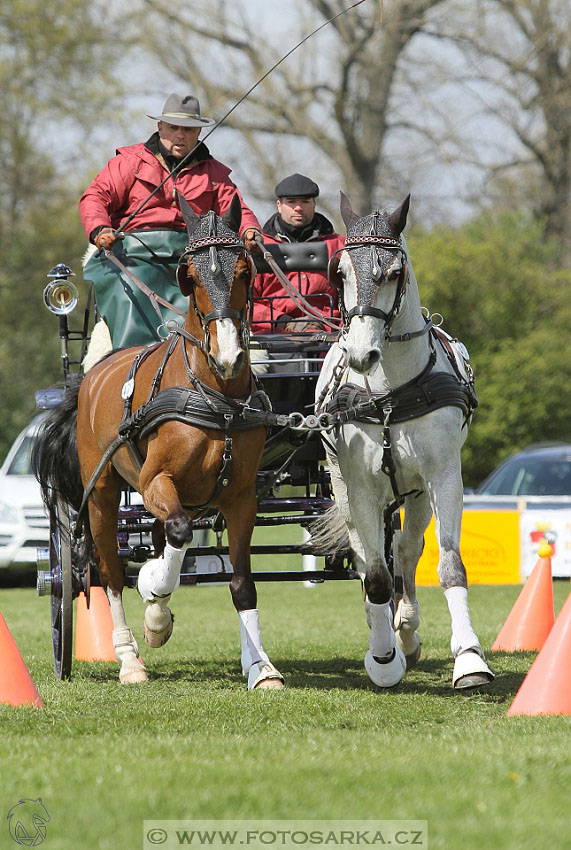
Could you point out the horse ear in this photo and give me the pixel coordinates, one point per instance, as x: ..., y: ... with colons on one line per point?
x: 347, y: 213
x: 397, y: 220
x: 233, y: 215
x: 190, y: 217
x: 333, y: 272
x: 183, y: 280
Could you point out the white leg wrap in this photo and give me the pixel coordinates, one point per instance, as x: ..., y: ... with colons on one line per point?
x: 124, y: 642
x: 407, y: 621
x: 382, y: 639
x: 250, y: 639
x: 407, y: 616
x: 470, y: 670
x: 127, y: 652
x: 160, y: 577
x: 463, y: 635
x: 382, y: 645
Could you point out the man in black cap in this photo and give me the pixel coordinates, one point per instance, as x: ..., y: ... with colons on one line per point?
x: 296, y: 220
x: 125, y: 196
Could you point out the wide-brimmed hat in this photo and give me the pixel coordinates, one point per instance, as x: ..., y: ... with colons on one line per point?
x: 183, y: 112
x: 297, y: 186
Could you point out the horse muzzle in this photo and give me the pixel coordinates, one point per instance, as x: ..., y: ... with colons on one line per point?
x: 362, y: 350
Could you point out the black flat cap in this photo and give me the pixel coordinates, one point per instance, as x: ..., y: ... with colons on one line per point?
x: 297, y: 186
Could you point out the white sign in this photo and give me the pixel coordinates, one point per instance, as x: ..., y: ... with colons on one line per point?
x: 551, y: 526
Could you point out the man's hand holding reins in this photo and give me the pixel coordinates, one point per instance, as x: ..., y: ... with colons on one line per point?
x: 253, y: 240
x: 105, y: 239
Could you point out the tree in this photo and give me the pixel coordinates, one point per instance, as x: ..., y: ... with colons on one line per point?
x: 454, y: 100
x: 56, y: 66
x: 334, y: 100
x: 517, y: 76
x: 495, y: 283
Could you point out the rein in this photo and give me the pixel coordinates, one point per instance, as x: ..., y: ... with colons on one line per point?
x: 302, y: 303
x: 151, y: 295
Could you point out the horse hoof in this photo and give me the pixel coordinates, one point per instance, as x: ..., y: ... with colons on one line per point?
x: 476, y: 680
x: 264, y: 676
x: 133, y: 677
x: 388, y: 674
x: 157, y: 625
x: 412, y: 655
x: 270, y: 685
x: 470, y: 671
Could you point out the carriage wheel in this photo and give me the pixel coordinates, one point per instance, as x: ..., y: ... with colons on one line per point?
x: 61, y: 590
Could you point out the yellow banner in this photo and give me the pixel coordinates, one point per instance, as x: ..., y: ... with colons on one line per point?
x: 490, y: 548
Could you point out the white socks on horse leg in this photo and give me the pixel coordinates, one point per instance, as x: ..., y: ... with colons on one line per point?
x: 127, y: 652
x: 160, y: 577
x: 382, y: 640
x: 463, y: 635
x: 250, y: 639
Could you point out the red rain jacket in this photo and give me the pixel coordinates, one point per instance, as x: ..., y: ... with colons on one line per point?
x: 129, y: 178
x: 313, y: 285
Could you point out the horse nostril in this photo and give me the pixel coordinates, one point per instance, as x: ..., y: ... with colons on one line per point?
x: 239, y: 363
x: 364, y: 364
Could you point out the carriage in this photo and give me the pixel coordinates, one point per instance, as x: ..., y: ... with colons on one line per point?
x: 293, y: 484
x: 393, y: 395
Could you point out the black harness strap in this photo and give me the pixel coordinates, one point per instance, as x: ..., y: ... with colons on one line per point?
x: 426, y: 392
x: 127, y: 396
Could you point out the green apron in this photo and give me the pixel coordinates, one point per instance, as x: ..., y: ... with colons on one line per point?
x: 151, y: 256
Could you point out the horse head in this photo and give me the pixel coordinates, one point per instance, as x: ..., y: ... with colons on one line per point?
x: 217, y: 273
x: 373, y: 271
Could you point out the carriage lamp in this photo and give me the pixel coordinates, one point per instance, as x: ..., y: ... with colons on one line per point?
x: 61, y: 295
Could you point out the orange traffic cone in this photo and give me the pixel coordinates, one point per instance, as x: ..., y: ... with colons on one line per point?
x: 547, y: 687
x: 531, y: 618
x: 94, y: 628
x: 16, y: 685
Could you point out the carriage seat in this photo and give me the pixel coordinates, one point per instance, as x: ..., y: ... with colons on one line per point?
x: 287, y: 365
x: 296, y: 256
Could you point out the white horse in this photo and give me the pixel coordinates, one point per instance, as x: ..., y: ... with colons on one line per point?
x: 402, y: 398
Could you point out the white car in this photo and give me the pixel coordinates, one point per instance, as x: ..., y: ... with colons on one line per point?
x: 24, y: 524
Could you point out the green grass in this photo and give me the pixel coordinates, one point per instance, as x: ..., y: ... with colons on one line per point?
x: 194, y: 744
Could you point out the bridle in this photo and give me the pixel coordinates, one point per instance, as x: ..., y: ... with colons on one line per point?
x: 217, y: 266
x: 378, y: 271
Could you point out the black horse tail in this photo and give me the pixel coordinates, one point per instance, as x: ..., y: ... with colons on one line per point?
x: 55, y: 461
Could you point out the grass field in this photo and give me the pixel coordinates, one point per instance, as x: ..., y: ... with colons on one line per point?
x: 194, y: 744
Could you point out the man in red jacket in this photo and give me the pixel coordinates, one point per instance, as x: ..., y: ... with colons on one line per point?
x: 153, y: 233
x: 296, y: 220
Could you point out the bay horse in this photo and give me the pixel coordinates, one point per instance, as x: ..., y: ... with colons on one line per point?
x: 176, y: 421
x: 401, y: 396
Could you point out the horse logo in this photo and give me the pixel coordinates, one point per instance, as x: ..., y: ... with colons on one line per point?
x: 27, y: 822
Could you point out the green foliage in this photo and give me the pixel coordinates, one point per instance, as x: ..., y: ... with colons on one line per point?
x: 29, y: 343
x: 56, y: 79
x: 496, y: 283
